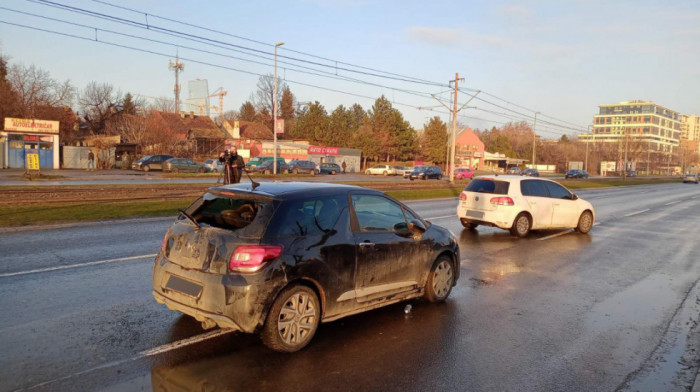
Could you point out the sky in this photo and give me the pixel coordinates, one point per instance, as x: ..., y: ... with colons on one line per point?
x: 560, y: 58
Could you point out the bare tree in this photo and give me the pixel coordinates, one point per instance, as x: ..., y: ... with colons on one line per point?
x: 263, y: 98
x: 98, y: 103
x: 163, y: 104
x: 35, y: 87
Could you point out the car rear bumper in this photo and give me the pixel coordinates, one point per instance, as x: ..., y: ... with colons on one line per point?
x: 500, y: 218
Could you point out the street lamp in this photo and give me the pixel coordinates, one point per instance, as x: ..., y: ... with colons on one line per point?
x: 274, y: 114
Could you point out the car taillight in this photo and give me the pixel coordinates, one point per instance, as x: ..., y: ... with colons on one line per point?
x: 502, y: 201
x: 251, y: 258
x: 462, y: 197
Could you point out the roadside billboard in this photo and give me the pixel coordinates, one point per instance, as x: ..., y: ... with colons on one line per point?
x: 28, y: 125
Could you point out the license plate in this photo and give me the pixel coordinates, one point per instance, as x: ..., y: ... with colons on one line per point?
x: 475, y: 214
x: 183, y: 286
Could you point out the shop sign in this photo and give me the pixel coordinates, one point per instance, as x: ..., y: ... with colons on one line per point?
x: 31, y: 125
x: 32, y: 160
x: 320, y: 150
x: 31, y: 138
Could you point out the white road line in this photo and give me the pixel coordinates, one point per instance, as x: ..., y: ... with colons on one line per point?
x: 555, y: 235
x: 63, y: 267
x: 442, y: 217
x: 695, y: 197
x: 637, y: 212
x: 673, y: 202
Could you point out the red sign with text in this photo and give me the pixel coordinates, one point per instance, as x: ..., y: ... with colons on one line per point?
x: 279, y: 125
x: 323, y: 150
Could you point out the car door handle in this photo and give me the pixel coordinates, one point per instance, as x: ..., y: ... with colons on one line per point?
x: 366, y: 244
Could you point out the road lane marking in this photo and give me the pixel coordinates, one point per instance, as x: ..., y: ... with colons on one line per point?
x: 637, y: 212
x: 64, y: 267
x: 555, y: 235
x: 673, y: 202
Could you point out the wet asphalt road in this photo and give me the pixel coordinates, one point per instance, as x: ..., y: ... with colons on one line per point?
x: 612, y: 310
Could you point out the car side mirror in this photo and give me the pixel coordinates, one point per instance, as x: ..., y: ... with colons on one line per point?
x: 574, y: 197
x: 416, y: 226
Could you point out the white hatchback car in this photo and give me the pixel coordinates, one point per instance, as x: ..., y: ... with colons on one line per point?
x: 386, y: 170
x: 521, y: 204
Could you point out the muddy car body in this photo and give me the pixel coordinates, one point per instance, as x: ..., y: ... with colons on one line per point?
x: 331, y: 245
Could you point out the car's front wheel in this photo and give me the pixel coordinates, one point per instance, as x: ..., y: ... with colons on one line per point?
x: 332, y: 172
x: 521, y: 225
x: 293, y: 320
x: 440, y: 280
x: 585, y: 222
x: 146, y: 168
x: 368, y: 172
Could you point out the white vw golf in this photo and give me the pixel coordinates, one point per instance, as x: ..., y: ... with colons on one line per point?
x: 521, y: 204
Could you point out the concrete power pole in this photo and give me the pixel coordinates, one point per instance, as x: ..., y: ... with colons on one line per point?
x: 177, y: 67
x: 534, y: 140
x: 454, y: 132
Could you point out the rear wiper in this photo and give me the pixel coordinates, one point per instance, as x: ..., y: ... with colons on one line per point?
x: 191, y: 219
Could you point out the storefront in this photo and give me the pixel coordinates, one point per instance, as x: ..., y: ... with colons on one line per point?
x: 22, y: 135
x: 350, y: 156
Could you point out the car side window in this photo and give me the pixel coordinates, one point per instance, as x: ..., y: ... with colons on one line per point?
x: 557, y: 191
x: 533, y: 188
x: 378, y: 214
x: 310, y: 216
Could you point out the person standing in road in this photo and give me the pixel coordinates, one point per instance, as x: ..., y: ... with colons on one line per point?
x: 91, y: 161
x: 233, y: 166
x: 343, y: 166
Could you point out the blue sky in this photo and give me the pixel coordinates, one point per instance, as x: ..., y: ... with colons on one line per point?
x: 561, y: 58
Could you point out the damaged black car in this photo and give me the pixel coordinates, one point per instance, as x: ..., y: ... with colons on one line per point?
x: 278, y: 258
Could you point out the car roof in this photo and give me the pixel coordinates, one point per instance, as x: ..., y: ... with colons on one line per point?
x: 509, y: 178
x: 292, y: 189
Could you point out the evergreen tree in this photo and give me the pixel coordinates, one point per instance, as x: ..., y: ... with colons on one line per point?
x: 247, y: 111
x: 435, y: 140
x: 128, y: 105
x: 312, y: 124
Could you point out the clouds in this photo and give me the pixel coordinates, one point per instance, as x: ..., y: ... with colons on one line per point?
x: 452, y: 37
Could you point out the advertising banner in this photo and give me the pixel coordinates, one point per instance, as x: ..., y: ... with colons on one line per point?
x: 320, y: 150
x: 31, y: 125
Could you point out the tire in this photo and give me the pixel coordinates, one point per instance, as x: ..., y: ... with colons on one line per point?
x: 333, y: 172
x: 295, y: 171
x: 267, y: 172
x: 410, y: 178
x: 368, y: 173
x: 385, y: 173
x: 146, y: 168
x: 440, y: 280
x: 313, y: 172
x: 200, y: 170
x: 175, y: 170
x: 585, y: 222
x: 439, y: 177
x: 214, y: 170
x: 300, y: 306
x: 469, y: 225
x: 521, y: 225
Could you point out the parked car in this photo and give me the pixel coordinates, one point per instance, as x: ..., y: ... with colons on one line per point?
x: 464, y: 174
x: 514, y: 170
x: 412, y: 169
x: 213, y: 166
x: 530, y: 173
x: 150, y: 162
x: 690, y: 177
x: 185, y: 165
x: 631, y: 173
x: 267, y: 168
x: 576, y: 173
x: 402, y: 170
x: 280, y: 258
x: 257, y: 161
x: 521, y: 204
x: 385, y: 170
x: 330, y: 168
x: 426, y: 172
x: 305, y: 167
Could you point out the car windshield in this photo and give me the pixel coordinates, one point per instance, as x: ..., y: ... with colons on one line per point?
x: 247, y: 216
x: 482, y: 185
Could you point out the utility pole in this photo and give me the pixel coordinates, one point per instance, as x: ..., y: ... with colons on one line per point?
x: 449, y: 140
x: 454, y: 132
x: 627, y: 143
x: 585, y: 166
x: 177, y: 67
x: 649, y: 160
x: 534, y: 140
x: 274, y: 112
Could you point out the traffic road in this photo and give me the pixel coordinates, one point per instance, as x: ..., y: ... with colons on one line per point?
x: 613, y: 310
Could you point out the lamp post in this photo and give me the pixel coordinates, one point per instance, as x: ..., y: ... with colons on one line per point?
x: 274, y: 114
x: 587, y: 141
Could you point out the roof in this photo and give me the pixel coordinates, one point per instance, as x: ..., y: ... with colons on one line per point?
x: 206, y: 133
x: 182, y: 124
x: 252, y: 130
x: 292, y: 189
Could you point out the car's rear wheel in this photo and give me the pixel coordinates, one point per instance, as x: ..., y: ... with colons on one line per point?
x: 468, y: 224
x: 521, y: 225
x: 585, y: 222
x: 200, y: 170
x: 385, y: 173
x: 175, y: 170
x: 439, y: 177
x: 440, y: 280
x: 293, y: 320
x: 368, y: 172
x: 214, y: 170
x: 333, y: 172
x: 313, y: 172
x: 295, y: 171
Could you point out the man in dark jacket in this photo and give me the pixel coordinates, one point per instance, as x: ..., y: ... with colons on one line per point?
x: 233, y: 166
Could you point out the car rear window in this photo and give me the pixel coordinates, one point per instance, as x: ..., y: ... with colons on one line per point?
x: 247, y: 216
x: 482, y: 185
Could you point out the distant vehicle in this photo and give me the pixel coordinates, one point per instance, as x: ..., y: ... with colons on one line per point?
x: 385, y: 170
x: 690, y: 177
x: 305, y: 167
x: 411, y: 170
x: 150, y: 162
x: 426, y: 172
x: 330, y: 168
x: 514, y: 170
x: 257, y: 161
x: 402, y: 170
x: 281, y: 258
x: 530, y: 173
x: 520, y: 204
x: 464, y: 174
x: 631, y: 173
x: 213, y: 166
x: 185, y: 165
x: 267, y: 168
x: 576, y: 173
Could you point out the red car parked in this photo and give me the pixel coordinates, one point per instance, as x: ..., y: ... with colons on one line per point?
x: 464, y: 174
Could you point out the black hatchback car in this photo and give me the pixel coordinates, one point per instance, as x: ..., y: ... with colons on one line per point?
x: 426, y: 172
x: 576, y: 173
x: 299, y: 166
x: 280, y: 258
